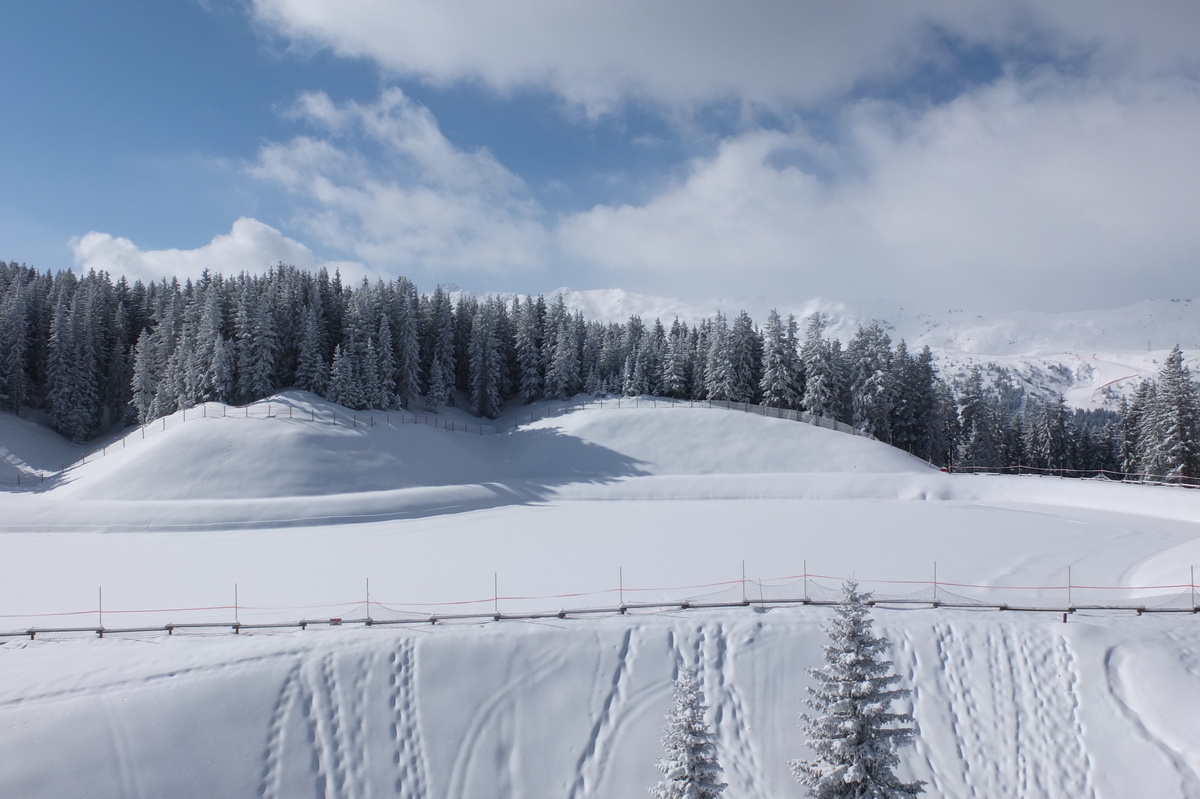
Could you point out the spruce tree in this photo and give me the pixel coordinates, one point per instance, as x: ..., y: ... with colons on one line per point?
x: 485, y: 363
x: 718, y: 372
x: 779, y: 380
x: 690, y: 768
x: 1175, y: 454
x: 855, y: 735
x: 820, y: 386
x: 529, y: 353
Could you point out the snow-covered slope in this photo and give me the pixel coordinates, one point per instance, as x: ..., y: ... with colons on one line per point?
x: 574, y: 510
x: 1007, y: 707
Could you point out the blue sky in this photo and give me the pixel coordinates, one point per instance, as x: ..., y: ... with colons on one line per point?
x: 982, y: 155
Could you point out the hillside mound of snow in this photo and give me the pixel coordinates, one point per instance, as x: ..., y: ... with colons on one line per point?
x: 28, y: 448
x: 1008, y: 705
x: 239, y: 457
x: 683, y: 441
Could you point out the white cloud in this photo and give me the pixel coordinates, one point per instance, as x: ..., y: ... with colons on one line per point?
x: 422, y: 202
x: 250, y: 246
x: 683, y: 52
x: 1020, y: 194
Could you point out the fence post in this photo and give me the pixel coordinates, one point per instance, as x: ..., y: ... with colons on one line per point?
x: 805, y: 583
x: 1068, y: 586
x: 935, y: 596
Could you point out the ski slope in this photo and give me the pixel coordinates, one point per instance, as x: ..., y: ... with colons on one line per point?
x: 654, y: 502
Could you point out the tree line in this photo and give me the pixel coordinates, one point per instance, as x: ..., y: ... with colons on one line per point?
x: 95, y: 353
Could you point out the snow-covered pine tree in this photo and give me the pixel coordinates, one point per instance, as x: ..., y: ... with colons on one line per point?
x: 820, y: 387
x: 779, y: 380
x: 368, y: 377
x: 690, y: 768
x: 145, y: 379
x: 718, y: 372
x: 18, y: 387
x: 563, y: 379
x: 745, y: 356
x: 872, y: 387
x: 1175, y: 452
x: 406, y: 311
x: 485, y: 363
x: 387, y: 366
x: 676, y: 361
x: 312, y: 373
x: 529, y: 352
x: 855, y: 735
x: 344, y: 388
x: 440, y: 388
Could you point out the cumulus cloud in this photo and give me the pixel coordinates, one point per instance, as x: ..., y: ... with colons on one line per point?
x: 416, y: 200
x: 686, y: 52
x: 1022, y: 193
x: 249, y: 246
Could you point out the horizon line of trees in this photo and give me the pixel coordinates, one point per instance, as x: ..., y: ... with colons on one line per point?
x: 94, y: 354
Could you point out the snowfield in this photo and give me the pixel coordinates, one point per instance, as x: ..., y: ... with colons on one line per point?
x: 576, y: 510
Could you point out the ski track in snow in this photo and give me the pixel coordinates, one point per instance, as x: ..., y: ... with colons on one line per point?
x: 740, y: 759
x: 1188, y: 779
x: 592, y: 763
x: 486, y: 715
x: 273, y: 753
x: 411, y: 768
x: 122, y: 747
x: 1023, y: 684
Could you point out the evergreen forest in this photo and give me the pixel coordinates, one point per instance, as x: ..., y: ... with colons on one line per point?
x: 95, y: 354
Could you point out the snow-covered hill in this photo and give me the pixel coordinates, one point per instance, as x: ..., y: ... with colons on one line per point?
x: 652, y: 502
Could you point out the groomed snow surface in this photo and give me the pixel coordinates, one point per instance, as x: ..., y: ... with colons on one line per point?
x: 668, y: 501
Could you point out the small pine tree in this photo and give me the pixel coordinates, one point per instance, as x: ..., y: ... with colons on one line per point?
x: 690, y: 768
x: 855, y: 736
